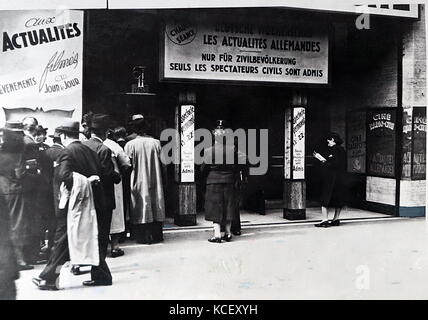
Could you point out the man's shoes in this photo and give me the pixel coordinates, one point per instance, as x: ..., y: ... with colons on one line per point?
x: 324, y: 224
x: 215, y: 239
x: 24, y: 266
x: 227, y: 237
x: 75, y: 270
x: 44, y: 285
x: 236, y: 233
x: 117, y: 253
x: 335, y: 223
x: 93, y: 283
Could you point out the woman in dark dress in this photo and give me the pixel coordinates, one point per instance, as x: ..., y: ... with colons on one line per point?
x: 220, y: 186
x: 333, y: 192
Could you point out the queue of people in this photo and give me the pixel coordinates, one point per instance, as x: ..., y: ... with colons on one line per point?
x: 69, y: 201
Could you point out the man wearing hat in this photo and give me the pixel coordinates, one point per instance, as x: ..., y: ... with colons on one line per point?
x: 76, y: 157
x: 99, y: 125
x: 135, y: 120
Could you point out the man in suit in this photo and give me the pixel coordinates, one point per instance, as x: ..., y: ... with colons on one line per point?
x: 76, y: 157
x: 99, y: 125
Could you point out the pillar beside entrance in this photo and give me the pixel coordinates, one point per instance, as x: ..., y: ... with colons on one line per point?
x: 294, y: 159
x: 184, y: 180
x: 412, y: 177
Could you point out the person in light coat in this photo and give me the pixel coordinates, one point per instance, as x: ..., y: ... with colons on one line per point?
x: 147, y: 211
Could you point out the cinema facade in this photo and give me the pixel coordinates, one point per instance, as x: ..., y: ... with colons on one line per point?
x: 296, y: 72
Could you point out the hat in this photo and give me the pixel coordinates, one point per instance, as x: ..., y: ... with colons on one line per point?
x: 68, y: 126
x: 14, y: 126
x: 136, y: 118
x: 40, y: 129
x: 99, y: 121
x: 56, y: 134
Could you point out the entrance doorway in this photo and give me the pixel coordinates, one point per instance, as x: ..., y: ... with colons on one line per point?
x: 249, y: 107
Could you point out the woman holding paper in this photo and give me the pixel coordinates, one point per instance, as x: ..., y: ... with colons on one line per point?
x: 333, y: 166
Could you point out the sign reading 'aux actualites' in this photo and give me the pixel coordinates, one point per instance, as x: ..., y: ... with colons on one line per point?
x: 254, y: 51
x: 41, y: 65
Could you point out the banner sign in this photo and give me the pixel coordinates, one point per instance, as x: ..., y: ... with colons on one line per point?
x: 254, y: 51
x: 299, y: 143
x: 381, y: 131
x: 187, y: 134
x: 41, y: 66
x: 356, y: 142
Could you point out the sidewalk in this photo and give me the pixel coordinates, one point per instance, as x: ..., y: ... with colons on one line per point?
x: 284, y: 261
x: 275, y: 217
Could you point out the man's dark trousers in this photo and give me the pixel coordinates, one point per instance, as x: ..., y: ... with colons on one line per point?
x: 60, y: 253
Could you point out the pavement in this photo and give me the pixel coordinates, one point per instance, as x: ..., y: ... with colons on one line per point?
x: 361, y: 259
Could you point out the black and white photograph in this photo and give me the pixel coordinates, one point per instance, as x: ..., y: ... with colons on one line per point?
x: 232, y: 151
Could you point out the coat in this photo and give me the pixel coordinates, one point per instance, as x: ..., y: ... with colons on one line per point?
x: 147, y: 197
x: 77, y: 157
x: 122, y: 163
x: 82, y: 227
x: 333, y: 187
x: 12, y: 190
x: 108, y: 175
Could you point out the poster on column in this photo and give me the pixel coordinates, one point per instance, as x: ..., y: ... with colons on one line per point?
x: 41, y: 66
x: 419, y: 143
x: 187, y: 125
x: 356, y: 142
x: 243, y: 49
x: 406, y: 149
x: 381, y: 142
x: 287, y: 144
x: 299, y: 143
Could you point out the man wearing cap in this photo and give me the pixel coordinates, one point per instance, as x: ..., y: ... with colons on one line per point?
x: 135, y: 120
x: 147, y: 210
x: 76, y: 157
x: 99, y: 125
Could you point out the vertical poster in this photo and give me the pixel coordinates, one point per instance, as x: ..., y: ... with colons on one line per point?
x: 419, y: 143
x: 406, y: 158
x: 356, y: 142
x: 381, y: 141
x: 41, y: 66
x: 299, y: 143
x: 187, y: 134
x: 287, y: 147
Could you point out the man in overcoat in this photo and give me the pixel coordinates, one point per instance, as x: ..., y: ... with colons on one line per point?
x: 99, y: 126
x: 76, y: 157
x: 11, y: 171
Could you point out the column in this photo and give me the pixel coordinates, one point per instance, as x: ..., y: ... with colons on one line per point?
x: 185, y: 187
x: 412, y: 194
x: 294, y: 159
